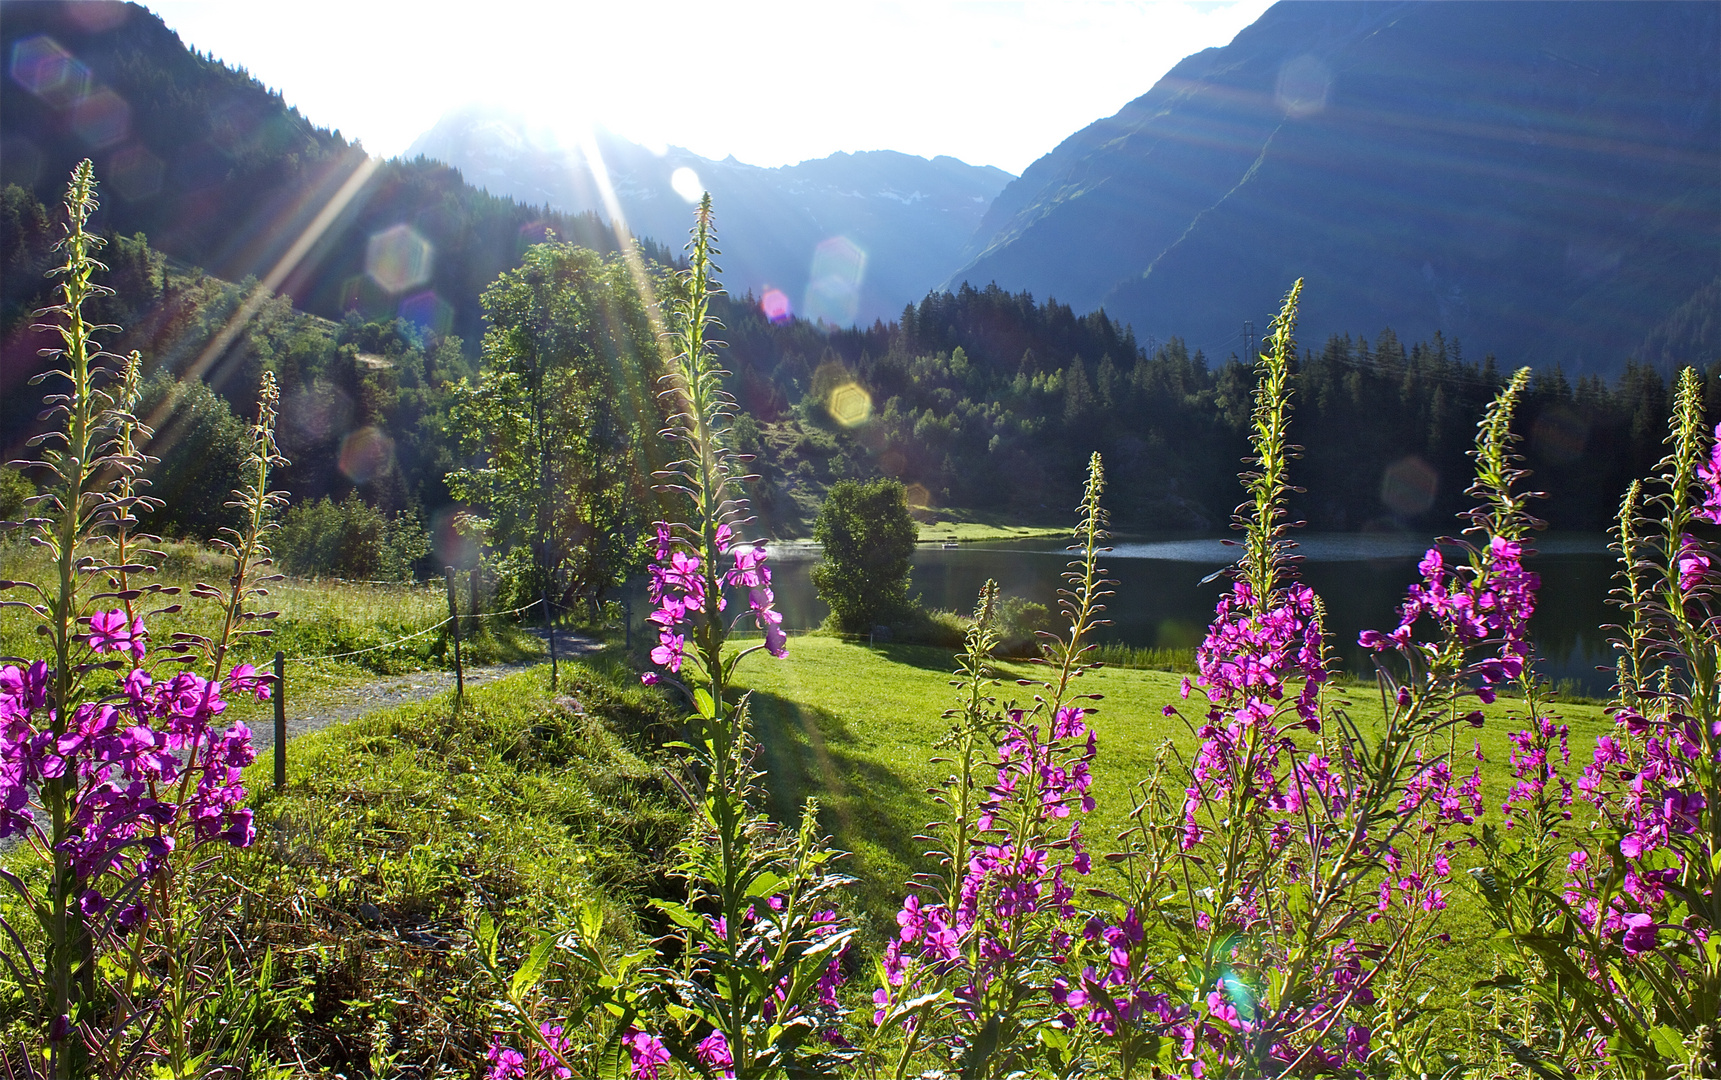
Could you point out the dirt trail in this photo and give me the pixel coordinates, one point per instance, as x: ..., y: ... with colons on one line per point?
x: 387, y: 691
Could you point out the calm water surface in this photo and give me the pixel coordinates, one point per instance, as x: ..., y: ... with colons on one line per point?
x: 1164, y: 597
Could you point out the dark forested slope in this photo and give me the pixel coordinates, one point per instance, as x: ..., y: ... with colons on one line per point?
x: 219, y: 172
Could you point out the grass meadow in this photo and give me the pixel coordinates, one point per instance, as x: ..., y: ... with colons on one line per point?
x: 396, y: 830
x: 381, y: 624
x: 856, y: 726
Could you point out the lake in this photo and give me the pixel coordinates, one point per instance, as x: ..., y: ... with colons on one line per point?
x: 1166, y: 590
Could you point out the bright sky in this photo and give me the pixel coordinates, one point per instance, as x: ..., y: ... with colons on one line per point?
x: 990, y: 83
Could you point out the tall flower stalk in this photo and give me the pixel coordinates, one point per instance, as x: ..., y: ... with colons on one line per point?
x: 110, y: 772
x: 758, y: 935
x: 988, y: 947
x: 1309, y: 858
x: 1615, y: 931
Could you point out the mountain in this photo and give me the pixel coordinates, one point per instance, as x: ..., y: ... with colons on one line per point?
x: 1539, y: 180
x: 220, y: 172
x: 846, y: 238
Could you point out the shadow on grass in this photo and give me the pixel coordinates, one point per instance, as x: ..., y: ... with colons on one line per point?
x: 867, y: 808
x: 926, y: 657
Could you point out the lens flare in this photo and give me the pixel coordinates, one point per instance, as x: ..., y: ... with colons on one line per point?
x: 1408, y: 486
x: 398, y: 258
x: 42, y: 66
x: 917, y: 495
x: 775, y: 305
x: 362, y: 294
x: 101, y: 119
x: 366, y: 454
x: 1303, y: 85
x: 891, y: 463
x: 686, y: 184
x: 454, y: 541
x: 317, y: 412
x: 850, y: 405
x: 136, y: 173
x: 834, y: 281
x: 429, y: 312
x: 94, y: 16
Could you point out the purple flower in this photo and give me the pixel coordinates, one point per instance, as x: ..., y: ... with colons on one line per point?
x: 506, y: 1063
x: 1640, y: 935
x: 109, y: 633
x: 669, y: 652
x: 1693, y: 562
x: 547, y: 1063
x: 646, y: 1053
x: 713, y: 1050
x: 1710, y: 474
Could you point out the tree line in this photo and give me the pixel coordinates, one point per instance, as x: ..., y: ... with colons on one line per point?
x: 985, y: 399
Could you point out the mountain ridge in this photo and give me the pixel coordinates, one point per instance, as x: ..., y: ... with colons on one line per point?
x: 1541, y: 181
x: 850, y: 237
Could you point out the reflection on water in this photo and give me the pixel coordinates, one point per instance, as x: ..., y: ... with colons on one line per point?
x: 1166, y: 590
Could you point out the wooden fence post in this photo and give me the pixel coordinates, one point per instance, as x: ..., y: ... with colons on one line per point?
x: 454, y: 621
x: 280, y: 720
x: 477, y: 620
x: 550, y: 632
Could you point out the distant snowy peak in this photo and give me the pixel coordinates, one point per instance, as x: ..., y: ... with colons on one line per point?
x: 847, y: 238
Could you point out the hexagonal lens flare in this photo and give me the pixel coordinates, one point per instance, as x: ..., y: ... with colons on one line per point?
x: 834, y: 281
x: 850, y: 405
x: 42, y: 66
x: 101, y: 119
x: 398, y: 258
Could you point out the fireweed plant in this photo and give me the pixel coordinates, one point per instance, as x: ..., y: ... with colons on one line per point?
x: 980, y: 972
x: 757, y: 941
x: 1612, y: 935
x: 1274, y: 883
x: 115, y: 769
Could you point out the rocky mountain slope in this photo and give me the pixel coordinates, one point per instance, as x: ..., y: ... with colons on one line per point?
x: 1539, y: 180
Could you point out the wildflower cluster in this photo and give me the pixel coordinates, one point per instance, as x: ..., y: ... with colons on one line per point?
x: 1254, y: 646
x: 1626, y: 921
x: 1489, y: 599
x: 507, y: 1063
x: 987, y: 949
x: 1013, y: 875
x: 130, y: 758
x: 678, y: 589
x: 116, y: 764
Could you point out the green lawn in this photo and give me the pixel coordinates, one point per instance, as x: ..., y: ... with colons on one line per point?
x: 967, y: 526
x: 856, y: 726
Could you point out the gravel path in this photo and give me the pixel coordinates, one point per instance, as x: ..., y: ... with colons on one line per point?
x: 387, y: 691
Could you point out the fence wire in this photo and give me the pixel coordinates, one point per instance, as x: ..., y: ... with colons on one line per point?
x: 429, y: 629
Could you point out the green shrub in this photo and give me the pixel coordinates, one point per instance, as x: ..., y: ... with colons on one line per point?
x: 868, y: 536
x: 15, y: 487
x: 351, y: 540
x: 200, y: 444
x: 1019, y: 620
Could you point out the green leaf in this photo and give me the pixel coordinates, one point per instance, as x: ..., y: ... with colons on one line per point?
x: 765, y: 884
x: 533, y: 969
x: 591, y: 922
x: 1668, y: 1042
x: 681, y: 915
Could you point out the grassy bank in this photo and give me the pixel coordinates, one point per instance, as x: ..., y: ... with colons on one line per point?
x: 967, y: 526
x: 393, y: 835
x: 376, y: 628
